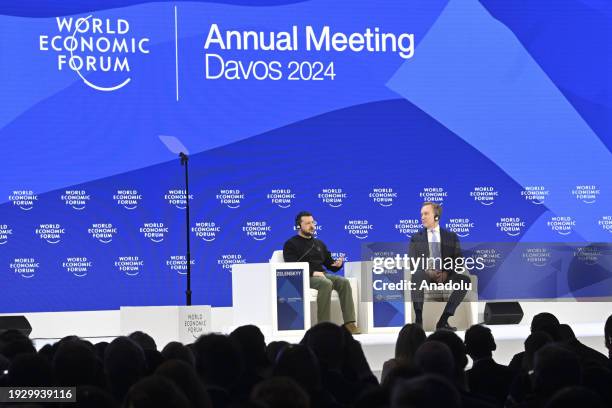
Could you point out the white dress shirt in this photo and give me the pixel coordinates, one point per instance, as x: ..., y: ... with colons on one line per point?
x: 431, y: 264
x: 434, y: 230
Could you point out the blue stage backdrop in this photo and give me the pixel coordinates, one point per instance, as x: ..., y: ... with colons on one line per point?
x: 356, y: 111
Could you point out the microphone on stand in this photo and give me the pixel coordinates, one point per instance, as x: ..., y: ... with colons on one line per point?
x: 184, y: 161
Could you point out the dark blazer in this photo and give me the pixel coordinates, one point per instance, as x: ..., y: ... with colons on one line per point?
x: 449, y: 246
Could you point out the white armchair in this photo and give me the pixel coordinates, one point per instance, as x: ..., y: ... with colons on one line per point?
x: 336, y: 312
x: 465, y: 316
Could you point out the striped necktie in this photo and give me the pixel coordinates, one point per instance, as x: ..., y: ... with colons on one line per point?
x: 434, y: 246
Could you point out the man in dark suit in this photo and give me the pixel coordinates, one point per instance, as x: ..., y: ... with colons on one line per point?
x: 441, y: 249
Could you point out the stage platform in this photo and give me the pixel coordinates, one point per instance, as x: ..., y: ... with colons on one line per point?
x: 587, y: 319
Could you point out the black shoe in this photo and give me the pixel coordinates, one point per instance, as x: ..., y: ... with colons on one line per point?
x: 445, y: 326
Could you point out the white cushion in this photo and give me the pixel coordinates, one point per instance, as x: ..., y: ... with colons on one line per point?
x: 277, y: 256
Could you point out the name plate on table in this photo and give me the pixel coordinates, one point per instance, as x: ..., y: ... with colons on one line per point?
x: 290, y: 305
x: 388, y: 299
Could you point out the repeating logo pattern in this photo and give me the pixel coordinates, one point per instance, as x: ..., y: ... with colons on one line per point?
x: 129, y: 265
x: 460, y: 226
x: 5, y: 233
x: 103, y: 232
x: 128, y: 199
x: 281, y: 197
x: 485, y: 195
x: 333, y: 197
x: 383, y: 196
x: 535, y: 194
x: 24, y: 199
x: 51, y: 233
x: 231, y: 198
x: 562, y: 225
x: 76, y: 199
x: 512, y: 226
x: 78, y: 266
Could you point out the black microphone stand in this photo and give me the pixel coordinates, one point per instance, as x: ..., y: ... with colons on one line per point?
x: 184, y: 161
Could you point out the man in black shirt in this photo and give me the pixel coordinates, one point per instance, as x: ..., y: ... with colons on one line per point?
x: 304, y: 247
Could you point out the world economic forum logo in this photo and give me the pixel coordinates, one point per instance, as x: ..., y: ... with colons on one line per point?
x: 226, y: 261
x: 358, y: 228
x: 76, y: 199
x: 230, y: 197
x: 206, y: 230
x: 129, y: 265
x: 282, y: 197
x: 537, y: 256
x: 102, y: 232
x: 490, y: 256
x: 155, y: 231
x: 178, y: 263
x: 408, y: 226
x: 434, y: 194
x: 334, y: 197
x: 52, y: 233
x: 25, y: 267
x: 605, y: 222
x: 561, y: 225
x: 128, y: 199
x: 78, y: 266
x: 586, y: 193
x: 383, y: 196
x: 90, y: 44
x: 177, y: 198
x: 5, y: 233
x: 24, y: 199
x: 258, y: 230
x: 485, y: 195
x: 589, y: 255
x: 512, y: 226
x: 535, y: 194
x: 196, y: 324
x: 460, y: 226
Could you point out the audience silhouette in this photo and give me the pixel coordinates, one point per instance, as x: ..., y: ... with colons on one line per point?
x: 327, y: 369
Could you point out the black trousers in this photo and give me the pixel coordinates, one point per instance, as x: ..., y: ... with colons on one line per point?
x: 455, y: 298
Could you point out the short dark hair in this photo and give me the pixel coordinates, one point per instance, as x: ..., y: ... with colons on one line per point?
x: 479, y: 341
x: 408, y: 341
x: 326, y: 340
x: 546, y: 322
x: 454, y: 343
x: 298, y: 217
x: 143, y: 340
